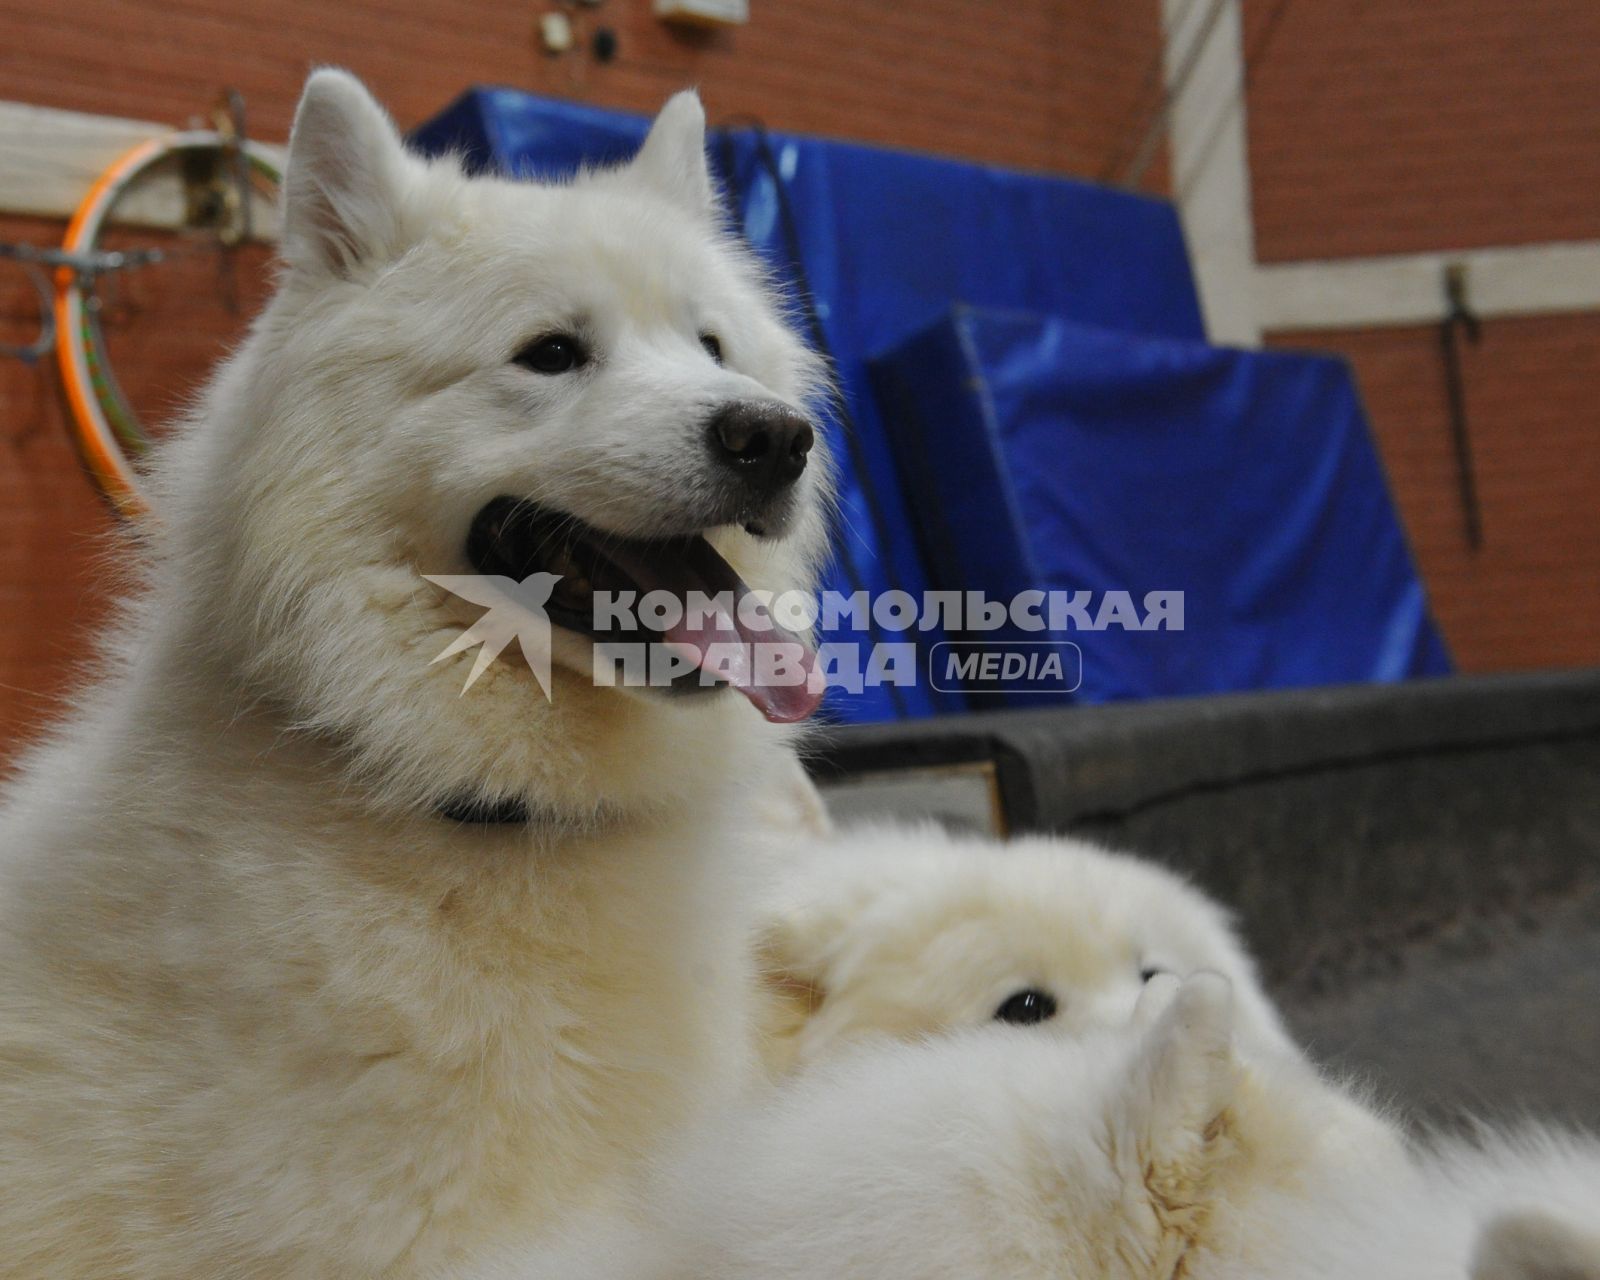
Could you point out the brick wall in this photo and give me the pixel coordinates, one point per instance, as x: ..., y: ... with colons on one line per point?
x: 1389, y: 126
x: 1031, y: 83
x: 1034, y: 83
x: 1530, y: 597
x: 1379, y: 128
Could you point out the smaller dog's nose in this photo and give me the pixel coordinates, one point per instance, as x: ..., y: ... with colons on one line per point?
x: 764, y: 444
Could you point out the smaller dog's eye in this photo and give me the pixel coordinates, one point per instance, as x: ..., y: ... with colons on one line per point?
x: 712, y: 345
x: 1027, y: 1007
x: 559, y: 353
x: 1150, y: 971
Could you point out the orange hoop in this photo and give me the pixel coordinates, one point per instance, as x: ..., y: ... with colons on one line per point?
x: 104, y: 425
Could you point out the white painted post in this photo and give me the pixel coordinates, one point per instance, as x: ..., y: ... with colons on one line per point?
x: 1211, y: 162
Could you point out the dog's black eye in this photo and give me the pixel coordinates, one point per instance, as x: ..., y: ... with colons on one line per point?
x: 559, y: 353
x: 713, y: 346
x: 1026, y: 1007
x: 1150, y: 971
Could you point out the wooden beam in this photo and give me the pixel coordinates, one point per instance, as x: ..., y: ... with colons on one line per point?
x: 49, y: 159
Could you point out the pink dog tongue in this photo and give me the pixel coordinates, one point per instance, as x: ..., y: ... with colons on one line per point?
x: 769, y: 664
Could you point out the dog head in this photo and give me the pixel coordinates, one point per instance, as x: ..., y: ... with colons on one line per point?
x: 997, y: 1152
x: 575, y: 385
x: 915, y: 932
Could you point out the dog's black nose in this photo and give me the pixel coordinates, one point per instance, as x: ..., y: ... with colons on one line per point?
x: 764, y: 444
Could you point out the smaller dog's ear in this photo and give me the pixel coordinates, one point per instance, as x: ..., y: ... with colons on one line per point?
x: 672, y: 161
x: 1184, y: 1077
x: 344, y: 189
x: 791, y: 988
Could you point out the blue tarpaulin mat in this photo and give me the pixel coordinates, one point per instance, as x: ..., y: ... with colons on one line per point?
x: 1040, y: 453
x: 885, y: 241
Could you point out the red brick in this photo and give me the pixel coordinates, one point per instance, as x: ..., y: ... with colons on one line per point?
x: 1531, y: 596
x: 1397, y: 128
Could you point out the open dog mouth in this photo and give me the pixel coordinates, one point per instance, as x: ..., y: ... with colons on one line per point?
x: 740, y: 645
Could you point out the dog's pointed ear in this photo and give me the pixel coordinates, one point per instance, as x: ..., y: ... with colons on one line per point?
x: 1184, y: 1078
x: 672, y: 161
x: 344, y: 188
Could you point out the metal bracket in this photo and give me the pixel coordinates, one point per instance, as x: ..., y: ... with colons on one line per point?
x: 86, y: 266
x: 216, y: 184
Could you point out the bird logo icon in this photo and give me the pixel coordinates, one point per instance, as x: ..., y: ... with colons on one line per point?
x: 516, y: 612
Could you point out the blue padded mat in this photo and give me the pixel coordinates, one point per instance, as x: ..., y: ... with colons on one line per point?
x: 1042, y: 453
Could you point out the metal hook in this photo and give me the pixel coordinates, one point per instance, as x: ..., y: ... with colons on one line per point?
x: 85, y: 266
x: 44, y: 344
x: 1459, y: 316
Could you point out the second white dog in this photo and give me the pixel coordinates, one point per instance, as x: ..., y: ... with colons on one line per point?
x: 1169, y: 1147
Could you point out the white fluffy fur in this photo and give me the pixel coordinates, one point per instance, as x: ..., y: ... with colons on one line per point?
x: 913, y: 931
x: 1166, y: 1148
x: 262, y: 1012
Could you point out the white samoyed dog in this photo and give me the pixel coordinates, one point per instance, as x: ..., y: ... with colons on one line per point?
x: 311, y: 964
x: 1173, y: 1146
x: 911, y: 931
